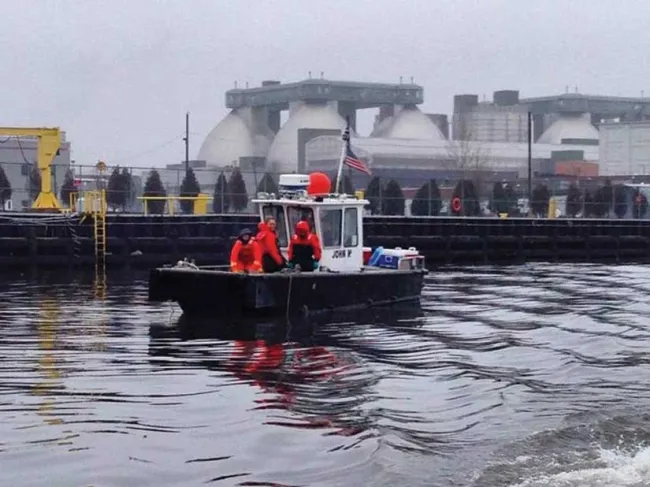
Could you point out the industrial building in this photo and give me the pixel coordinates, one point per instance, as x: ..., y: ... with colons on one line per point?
x: 251, y: 137
x: 572, y: 133
x: 405, y: 143
x: 504, y: 119
x: 419, y: 160
x: 625, y: 148
x: 18, y: 156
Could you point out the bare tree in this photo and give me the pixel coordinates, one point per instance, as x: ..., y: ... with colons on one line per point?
x: 469, y: 157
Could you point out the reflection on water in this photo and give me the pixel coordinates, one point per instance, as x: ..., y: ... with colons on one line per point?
x: 47, y: 365
x: 295, y: 367
x: 515, y: 376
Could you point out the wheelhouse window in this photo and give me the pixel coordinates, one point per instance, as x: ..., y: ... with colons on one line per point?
x: 297, y: 213
x: 277, y: 212
x: 351, y: 228
x: 330, y: 225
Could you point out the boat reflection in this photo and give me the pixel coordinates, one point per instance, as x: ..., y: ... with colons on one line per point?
x: 297, y: 366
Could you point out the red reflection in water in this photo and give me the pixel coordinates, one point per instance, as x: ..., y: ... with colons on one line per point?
x: 277, y: 369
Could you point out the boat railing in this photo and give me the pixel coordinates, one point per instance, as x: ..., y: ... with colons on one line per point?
x: 216, y: 267
x: 300, y: 195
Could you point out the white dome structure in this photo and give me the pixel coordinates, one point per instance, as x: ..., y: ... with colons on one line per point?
x: 570, y: 127
x: 283, y: 154
x: 409, y: 123
x: 231, y: 139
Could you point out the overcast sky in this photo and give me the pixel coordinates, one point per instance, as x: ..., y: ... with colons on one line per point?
x: 118, y: 76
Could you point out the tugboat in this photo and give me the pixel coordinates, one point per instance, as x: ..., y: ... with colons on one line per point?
x: 349, y: 275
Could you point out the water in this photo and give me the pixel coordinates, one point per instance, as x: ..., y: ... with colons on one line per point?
x: 520, y: 376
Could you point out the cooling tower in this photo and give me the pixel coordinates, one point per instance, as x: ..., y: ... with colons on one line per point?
x: 570, y: 129
x: 409, y: 123
x: 233, y: 138
x: 283, y: 154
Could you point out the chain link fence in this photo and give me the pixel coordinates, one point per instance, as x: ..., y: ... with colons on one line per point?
x: 400, y: 193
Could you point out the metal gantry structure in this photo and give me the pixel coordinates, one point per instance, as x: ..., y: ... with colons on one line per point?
x: 49, y: 143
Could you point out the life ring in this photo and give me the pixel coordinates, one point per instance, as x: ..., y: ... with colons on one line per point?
x: 455, y: 204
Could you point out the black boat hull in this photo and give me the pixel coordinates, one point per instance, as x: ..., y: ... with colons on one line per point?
x: 222, y: 293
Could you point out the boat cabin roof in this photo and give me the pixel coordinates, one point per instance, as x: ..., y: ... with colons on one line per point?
x: 312, y: 201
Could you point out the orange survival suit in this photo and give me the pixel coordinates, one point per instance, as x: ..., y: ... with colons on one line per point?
x: 267, y: 239
x: 245, y: 254
x: 304, y: 248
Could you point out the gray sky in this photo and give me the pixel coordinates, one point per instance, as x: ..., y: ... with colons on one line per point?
x: 119, y: 75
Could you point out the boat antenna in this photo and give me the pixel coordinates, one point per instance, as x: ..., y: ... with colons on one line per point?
x: 345, y: 136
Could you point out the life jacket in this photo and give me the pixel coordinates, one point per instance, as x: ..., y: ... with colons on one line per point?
x: 304, y: 247
x: 269, y: 243
x: 302, y: 253
x: 261, y: 228
x: 245, y: 256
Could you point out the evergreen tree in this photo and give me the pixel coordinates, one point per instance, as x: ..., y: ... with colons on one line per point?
x: 469, y: 204
x: 607, y: 197
x: 541, y: 198
x: 588, y: 202
x: 5, y: 188
x: 221, y: 199
x: 189, y: 187
x: 393, y: 200
x: 238, y: 193
x: 114, y: 189
x: 267, y: 184
x: 67, y: 188
x: 499, y: 203
x: 118, y: 190
x: 601, y: 201
x: 640, y: 206
x: 427, y: 200
x: 374, y: 195
x: 573, y: 201
x: 128, y: 187
x: 620, y: 201
x: 346, y: 185
x: 154, y: 187
x: 34, y: 182
x: 510, y: 195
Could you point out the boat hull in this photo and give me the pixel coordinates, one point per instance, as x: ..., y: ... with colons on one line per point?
x: 221, y: 293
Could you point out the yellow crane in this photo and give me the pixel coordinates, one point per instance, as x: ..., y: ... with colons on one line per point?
x: 49, y: 143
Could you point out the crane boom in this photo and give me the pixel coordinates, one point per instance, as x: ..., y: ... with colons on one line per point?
x: 49, y: 143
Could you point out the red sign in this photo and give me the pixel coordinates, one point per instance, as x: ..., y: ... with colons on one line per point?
x: 77, y: 183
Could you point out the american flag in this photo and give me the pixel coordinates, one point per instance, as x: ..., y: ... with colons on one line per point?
x: 351, y: 160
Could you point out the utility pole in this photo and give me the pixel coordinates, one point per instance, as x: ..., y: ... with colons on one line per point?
x: 187, y: 143
x: 530, y: 160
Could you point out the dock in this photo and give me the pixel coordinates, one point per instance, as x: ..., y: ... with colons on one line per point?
x: 142, y: 241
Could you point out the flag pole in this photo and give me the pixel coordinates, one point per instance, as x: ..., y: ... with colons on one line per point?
x: 345, y: 137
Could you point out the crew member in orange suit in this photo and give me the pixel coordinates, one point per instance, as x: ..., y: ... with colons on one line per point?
x: 245, y: 254
x: 272, y: 259
x: 304, y: 248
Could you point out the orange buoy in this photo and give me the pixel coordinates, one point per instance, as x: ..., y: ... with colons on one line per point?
x: 455, y: 204
x: 319, y: 183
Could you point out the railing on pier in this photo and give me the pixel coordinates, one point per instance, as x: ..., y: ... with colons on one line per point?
x: 91, y: 202
x: 200, y: 206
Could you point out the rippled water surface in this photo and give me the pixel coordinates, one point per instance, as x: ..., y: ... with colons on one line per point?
x: 516, y: 376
